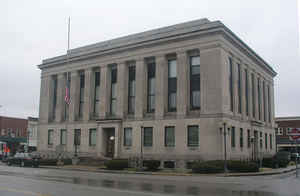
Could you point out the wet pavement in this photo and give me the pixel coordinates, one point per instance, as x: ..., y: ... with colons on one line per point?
x: 15, y: 181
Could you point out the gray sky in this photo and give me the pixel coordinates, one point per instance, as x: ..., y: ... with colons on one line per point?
x: 34, y: 30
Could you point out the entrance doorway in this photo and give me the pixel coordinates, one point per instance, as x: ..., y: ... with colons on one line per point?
x: 110, y: 142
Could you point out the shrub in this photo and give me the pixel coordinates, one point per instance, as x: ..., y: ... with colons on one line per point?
x: 151, y: 165
x: 241, y: 166
x: 269, y: 162
x: 67, y: 161
x: 51, y: 162
x: 208, y: 167
x: 116, y: 164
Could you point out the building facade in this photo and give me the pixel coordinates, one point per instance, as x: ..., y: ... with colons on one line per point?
x: 165, y: 94
x: 284, y: 126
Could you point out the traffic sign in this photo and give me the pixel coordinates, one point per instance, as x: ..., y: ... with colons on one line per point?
x: 295, y: 134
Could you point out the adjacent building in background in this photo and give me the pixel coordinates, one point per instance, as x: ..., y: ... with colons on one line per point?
x: 166, y: 94
x: 284, y: 126
x: 13, y: 133
x: 32, y: 133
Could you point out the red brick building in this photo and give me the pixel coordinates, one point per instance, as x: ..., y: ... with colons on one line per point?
x: 13, y: 132
x: 284, y: 126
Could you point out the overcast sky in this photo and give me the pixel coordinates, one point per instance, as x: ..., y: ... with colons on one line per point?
x: 31, y: 31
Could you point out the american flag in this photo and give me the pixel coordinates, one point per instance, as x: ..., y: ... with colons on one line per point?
x: 67, y: 96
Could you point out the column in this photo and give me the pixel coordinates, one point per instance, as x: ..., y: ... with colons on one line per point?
x: 272, y: 106
x: 235, y: 86
x: 104, y: 94
x: 122, y: 87
x: 87, y: 108
x: 243, y: 90
x: 141, y: 88
x: 182, y: 83
x: 255, y: 96
x: 160, y: 73
x: 74, y: 96
x: 250, y: 94
x: 44, y: 99
x: 60, y: 107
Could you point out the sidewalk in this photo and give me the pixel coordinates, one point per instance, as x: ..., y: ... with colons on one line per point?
x: 168, y: 173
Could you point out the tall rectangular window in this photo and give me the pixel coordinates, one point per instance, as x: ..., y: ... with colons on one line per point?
x: 77, y: 137
x: 81, y: 93
x: 241, y: 138
x: 151, y: 86
x: 148, y: 136
x: 239, y: 89
x: 50, y: 136
x: 92, y: 137
x: 172, y: 85
x: 259, y: 98
x: 271, y: 145
x: 246, y: 92
x: 113, y: 94
x: 127, y: 136
x: 264, y: 101
x: 97, y: 93
x: 63, y: 137
x: 253, y: 96
x: 169, y: 136
x: 269, y: 104
x: 266, y: 140
x: 260, y: 140
x: 248, y: 138
x: 231, y: 83
x: 54, y: 79
x: 195, y: 82
x: 131, y: 90
x: 232, y: 137
x: 193, y: 136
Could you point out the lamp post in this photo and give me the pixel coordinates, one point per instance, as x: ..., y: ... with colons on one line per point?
x: 252, y: 144
x: 225, y: 147
x: 141, y: 154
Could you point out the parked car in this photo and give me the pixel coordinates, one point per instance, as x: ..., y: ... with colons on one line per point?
x: 24, y: 159
x: 295, y: 156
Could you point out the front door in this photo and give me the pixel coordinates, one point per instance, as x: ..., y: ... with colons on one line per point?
x: 110, y: 142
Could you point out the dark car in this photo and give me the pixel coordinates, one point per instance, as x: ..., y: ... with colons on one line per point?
x: 24, y: 159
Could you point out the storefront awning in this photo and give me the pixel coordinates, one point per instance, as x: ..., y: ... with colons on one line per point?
x: 13, y: 139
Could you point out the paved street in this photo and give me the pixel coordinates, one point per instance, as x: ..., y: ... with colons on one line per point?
x: 16, y: 181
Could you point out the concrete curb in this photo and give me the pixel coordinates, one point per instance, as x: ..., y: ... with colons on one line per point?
x: 174, y: 174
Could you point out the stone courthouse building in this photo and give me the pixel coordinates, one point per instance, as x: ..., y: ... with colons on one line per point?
x: 167, y: 93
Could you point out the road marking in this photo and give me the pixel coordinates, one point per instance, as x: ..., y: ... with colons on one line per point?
x: 21, y: 191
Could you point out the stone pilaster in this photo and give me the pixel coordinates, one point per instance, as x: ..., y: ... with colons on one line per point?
x: 44, y: 99
x: 122, y: 86
x: 141, y: 89
x: 160, y: 86
x: 87, y: 108
x: 182, y: 84
x: 104, y: 92
x: 60, y: 107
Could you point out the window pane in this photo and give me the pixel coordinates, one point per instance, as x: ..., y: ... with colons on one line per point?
x: 113, y: 106
x: 151, y: 103
x: 169, y: 136
x: 172, y: 69
x: 233, y: 137
x: 113, y: 90
x: 148, y: 133
x: 131, y: 105
x: 97, y: 92
x: 93, y: 137
x: 196, y: 99
x: 127, y: 137
x: 195, y: 70
x: 193, y: 136
x: 151, y: 86
x: 172, y: 101
x: 132, y: 88
x: 195, y: 60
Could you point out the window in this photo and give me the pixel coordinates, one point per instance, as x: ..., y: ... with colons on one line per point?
x: 248, y: 138
x: 231, y: 83
x: 148, y: 136
x: 233, y: 137
x: 81, y: 93
x: 193, y: 136
x: 77, y: 135
x: 92, y: 137
x: 169, y: 136
x: 264, y: 101
x: 50, y: 136
x: 97, y: 93
x: 172, y: 85
x: 259, y: 98
x: 253, y: 96
x: 63, y: 137
x: 241, y: 138
x: 128, y: 137
x: 271, y: 145
x: 260, y: 140
x: 195, y: 82
x: 239, y: 89
x: 113, y: 95
x: 269, y: 104
x: 266, y: 140
x: 131, y: 90
x: 246, y: 92
x: 54, y: 78
x: 151, y: 87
